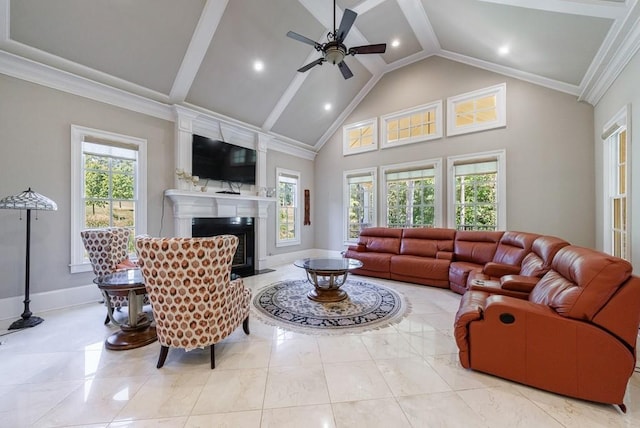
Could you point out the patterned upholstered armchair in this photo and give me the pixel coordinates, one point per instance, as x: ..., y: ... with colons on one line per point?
x: 108, y: 251
x: 194, y: 302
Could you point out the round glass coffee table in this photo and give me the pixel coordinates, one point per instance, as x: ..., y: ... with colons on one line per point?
x: 327, y: 276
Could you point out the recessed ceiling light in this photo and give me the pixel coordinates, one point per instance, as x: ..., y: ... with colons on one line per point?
x: 503, y: 50
x: 258, y: 65
x: 395, y: 43
x: 327, y: 106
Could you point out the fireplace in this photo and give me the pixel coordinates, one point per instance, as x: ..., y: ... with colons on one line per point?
x: 242, y: 227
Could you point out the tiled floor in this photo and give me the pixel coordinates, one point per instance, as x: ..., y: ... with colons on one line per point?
x: 59, y: 374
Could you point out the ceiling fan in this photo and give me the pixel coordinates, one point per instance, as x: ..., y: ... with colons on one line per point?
x: 334, y: 50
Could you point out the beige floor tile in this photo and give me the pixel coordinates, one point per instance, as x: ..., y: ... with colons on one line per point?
x: 382, y: 413
x: 411, y: 376
x: 337, y: 349
x: 232, y: 391
x: 95, y: 401
x: 320, y: 416
x: 449, y: 368
x: 443, y: 409
x: 359, y: 380
x: 226, y: 420
x: 385, y: 346
x: 506, y: 407
x: 151, y: 423
x: 295, y: 352
x: 243, y: 355
x: 295, y: 386
x: 164, y: 396
x: 432, y: 343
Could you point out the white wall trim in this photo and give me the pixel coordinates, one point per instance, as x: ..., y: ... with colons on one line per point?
x: 276, y: 260
x: 12, y: 307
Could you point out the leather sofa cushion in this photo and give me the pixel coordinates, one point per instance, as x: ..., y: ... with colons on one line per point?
x: 420, y: 267
x: 476, y: 246
x: 459, y: 272
x: 377, y: 262
x: 426, y: 242
x: 513, y: 247
x: 538, y: 261
x: 580, y: 282
x: 381, y: 239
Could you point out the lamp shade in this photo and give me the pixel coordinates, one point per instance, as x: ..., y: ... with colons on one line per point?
x: 28, y: 200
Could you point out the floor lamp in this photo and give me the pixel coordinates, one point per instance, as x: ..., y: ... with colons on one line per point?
x: 27, y: 200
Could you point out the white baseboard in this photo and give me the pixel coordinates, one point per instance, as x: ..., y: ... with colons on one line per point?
x: 282, y: 259
x: 13, y: 307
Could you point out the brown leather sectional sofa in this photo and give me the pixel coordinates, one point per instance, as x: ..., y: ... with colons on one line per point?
x: 535, y: 309
x: 448, y: 258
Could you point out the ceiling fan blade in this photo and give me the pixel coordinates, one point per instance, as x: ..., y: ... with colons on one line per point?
x: 311, y: 65
x: 369, y: 49
x: 303, y: 39
x: 346, y: 71
x: 348, y: 17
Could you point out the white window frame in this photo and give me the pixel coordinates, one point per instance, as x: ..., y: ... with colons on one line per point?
x: 436, y: 105
x: 501, y: 191
x: 296, y: 239
x: 80, y: 263
x: 436, y: 164
x: 500, y: 91
x: 373, y: 172
x: 346, y: 150
x: 610, y: 133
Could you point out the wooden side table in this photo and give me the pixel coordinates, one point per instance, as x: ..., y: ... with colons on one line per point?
x: 137, y: 330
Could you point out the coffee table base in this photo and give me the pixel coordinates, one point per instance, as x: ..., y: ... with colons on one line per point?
x: 131, y: 339
x: 327, y: 296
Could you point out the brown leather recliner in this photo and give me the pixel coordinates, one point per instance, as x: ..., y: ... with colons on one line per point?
x: 576, y: 335
x: 534, y: 266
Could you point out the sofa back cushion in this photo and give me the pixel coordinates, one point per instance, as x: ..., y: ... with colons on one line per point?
x: 538, y: 261
x: 476, y: 246
x: 513, y: 247
x: 426, y: 241
x: 581, y: 281
x: 381, y: 239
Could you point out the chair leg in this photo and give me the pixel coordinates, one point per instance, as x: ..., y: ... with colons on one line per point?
x: 164, y: 350
x: 106, y: 320
x: 213, y: 357
x: 245, y: 325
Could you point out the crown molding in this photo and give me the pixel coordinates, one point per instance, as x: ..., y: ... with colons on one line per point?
x: 31, y: 71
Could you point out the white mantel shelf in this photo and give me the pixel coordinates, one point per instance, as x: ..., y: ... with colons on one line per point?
x: 189, y: 204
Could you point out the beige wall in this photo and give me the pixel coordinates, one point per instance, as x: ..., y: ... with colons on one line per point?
x: 548, y: 143
x: 624, y: 91
x: 35, y: 151
x: 306, y: 170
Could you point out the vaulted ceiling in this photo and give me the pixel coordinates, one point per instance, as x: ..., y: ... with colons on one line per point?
x: 200, y: 54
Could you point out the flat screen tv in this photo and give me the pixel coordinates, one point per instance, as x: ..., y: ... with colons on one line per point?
x: 217, y: 160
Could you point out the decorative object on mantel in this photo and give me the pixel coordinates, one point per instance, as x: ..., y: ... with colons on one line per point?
x: 190, y: 180
x: 27, y: 200
x: 369, y: 307
x: 307, y: 208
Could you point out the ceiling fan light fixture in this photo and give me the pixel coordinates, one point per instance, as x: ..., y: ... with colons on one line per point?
x: 335, y: 54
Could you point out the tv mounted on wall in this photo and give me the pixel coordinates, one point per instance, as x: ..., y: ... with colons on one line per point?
x: 217, y: 160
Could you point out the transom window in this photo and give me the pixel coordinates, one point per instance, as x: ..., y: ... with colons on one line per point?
x: 477, y: 110
x: 476, y: 201
x: 417, y: 124
x: 359, y: 201
x: 108, y: 183
x: 360, y: 137
x: 288, y: 218
x: 412, y: 194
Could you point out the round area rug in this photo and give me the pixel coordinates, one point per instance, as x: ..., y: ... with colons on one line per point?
x: 368, y: 306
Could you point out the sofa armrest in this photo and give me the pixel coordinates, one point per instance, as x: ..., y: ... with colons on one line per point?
x: 497, y: 270
x: 471, y: 307
x: 360, y: 248
x: 444, y: 255
x: 518, y: 283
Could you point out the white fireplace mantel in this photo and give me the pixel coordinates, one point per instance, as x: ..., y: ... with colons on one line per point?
x: 190, y: 204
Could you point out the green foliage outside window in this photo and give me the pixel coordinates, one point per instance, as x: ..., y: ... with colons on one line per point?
x: 476, y: 202
x: 411, y: 203
x: 287, y: 210
x: 360, y: 207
